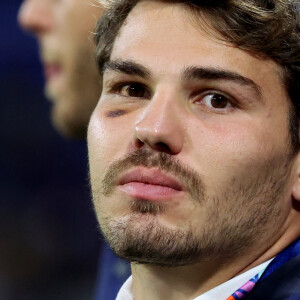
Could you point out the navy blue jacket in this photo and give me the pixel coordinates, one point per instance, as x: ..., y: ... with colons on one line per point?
x: 281, y: 280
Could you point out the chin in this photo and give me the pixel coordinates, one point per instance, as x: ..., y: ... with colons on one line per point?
x: 141, y: 237
x: 68, y: 126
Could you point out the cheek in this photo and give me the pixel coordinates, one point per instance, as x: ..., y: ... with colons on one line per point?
x: 222, y: 150
x: 109, y: 134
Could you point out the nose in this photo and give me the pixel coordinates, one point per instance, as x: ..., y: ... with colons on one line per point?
x: 35, y: 16
x: 160, y: 127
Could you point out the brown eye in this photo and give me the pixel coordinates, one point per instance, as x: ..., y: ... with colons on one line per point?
x: 134, y: 90
x: 216, y: 101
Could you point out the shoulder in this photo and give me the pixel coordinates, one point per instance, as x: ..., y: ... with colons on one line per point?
x: 282, y: 284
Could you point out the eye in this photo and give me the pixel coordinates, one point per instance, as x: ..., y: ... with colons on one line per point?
x: 134, y: 90
x: 215, y: 101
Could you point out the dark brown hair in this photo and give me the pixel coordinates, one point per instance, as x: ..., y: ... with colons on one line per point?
x: 267, y: 28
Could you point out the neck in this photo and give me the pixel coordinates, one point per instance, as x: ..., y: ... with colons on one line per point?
x: 185, y: 282
x: 188, y: 282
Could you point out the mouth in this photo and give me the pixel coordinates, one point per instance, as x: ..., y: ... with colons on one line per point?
x: 150, y: 184
x: 52, y: 70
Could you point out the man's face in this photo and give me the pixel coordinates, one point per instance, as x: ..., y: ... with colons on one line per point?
x: 64, y: 32
x: 189, y: 145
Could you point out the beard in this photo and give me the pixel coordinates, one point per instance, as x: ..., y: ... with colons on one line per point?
x: 243, y: 213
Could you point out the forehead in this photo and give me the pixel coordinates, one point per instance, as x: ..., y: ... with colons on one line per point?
x: 166, y: 38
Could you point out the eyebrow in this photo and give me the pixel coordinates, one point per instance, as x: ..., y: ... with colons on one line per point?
x: 127, y: 67
x: 200, y: 73
x: 192, y: 72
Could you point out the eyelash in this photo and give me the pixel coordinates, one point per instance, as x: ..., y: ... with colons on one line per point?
x: 116, y: 88
x: 201, y: 94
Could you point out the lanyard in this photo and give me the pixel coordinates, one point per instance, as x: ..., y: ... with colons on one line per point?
x: 283, y: 257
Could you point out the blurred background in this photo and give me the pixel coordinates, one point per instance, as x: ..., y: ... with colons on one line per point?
x: 49, y: 240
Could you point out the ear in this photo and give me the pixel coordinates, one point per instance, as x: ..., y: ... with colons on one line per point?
x: 296, y: 179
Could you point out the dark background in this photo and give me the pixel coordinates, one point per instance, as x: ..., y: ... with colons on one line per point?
x: 49, y: 240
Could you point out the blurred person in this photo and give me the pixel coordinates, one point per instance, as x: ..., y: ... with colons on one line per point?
x: 194, y: 147
x: 64, y: 30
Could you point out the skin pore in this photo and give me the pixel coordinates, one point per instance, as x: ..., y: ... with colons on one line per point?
x: 72, y: 83
x: 212, y: 122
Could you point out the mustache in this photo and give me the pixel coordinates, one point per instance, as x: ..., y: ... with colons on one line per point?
x: 147, y: 158
x: 49, y: 53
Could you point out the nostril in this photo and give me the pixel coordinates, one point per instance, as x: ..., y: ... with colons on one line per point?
x: 159, y: 146
x: 139, y: 143
x: 162, y: 147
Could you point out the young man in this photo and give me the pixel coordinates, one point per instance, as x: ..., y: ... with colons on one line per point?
x: 64, y: 29
x: 194, y: 147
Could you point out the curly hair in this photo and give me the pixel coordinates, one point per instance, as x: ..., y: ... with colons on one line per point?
x: 267, y: 28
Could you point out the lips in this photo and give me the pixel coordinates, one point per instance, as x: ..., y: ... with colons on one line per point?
x: 150, y: 184
x: 52, y: 70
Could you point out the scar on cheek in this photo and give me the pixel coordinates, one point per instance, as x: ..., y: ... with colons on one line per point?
x: 115, y: 113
